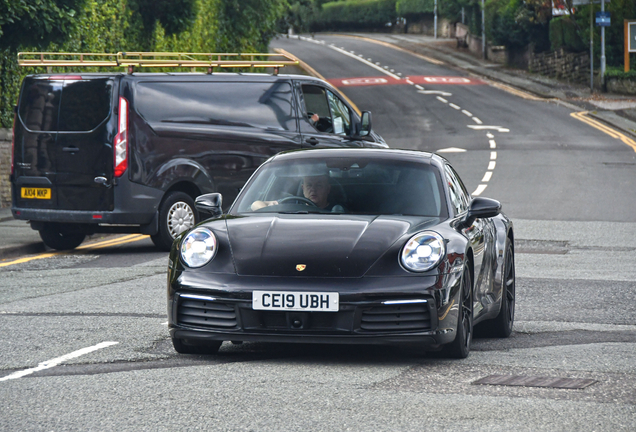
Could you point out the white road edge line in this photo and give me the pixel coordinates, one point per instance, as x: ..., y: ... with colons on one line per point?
x: 57, y: 361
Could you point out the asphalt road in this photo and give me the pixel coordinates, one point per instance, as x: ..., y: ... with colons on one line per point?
x: 568, y: 188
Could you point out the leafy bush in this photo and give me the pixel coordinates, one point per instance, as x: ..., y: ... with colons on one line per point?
x: 616, y: 72
x: 564, y: 33
x: 356, y: 15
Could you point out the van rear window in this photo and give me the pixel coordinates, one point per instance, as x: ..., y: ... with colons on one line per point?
x: 39, y: 104
x: 250, y: 104
x: 85, y: 104
x: 66, y: 106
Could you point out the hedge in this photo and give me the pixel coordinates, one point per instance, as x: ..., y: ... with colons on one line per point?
x: 414, y: 8
x: 356, y: 15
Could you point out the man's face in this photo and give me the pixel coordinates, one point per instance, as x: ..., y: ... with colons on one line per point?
x: 317, y: 189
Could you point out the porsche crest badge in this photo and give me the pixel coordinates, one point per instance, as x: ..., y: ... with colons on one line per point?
x: 301, y: 267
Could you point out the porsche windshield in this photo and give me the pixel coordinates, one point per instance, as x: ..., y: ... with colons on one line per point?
x: 371, y: 186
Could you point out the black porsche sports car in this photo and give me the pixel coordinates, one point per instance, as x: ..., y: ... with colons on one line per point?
x: 365, y: 246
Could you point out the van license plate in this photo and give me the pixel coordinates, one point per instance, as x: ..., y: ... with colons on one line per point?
x: 36, y: 193
x: 295, y: 301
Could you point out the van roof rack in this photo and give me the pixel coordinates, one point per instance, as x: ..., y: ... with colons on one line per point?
x: 157, y: 59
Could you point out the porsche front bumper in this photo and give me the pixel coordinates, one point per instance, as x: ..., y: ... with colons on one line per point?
x: 372, y: 310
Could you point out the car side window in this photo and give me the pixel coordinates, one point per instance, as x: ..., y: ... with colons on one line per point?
x: 458, y: 195
x: 317, y: 108
x: 341, y: 115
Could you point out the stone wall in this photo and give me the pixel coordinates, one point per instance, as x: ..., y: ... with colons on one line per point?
x: 572, y: 67
x: 5, y: 167
x: 620, y: 85
x: 427, y: 26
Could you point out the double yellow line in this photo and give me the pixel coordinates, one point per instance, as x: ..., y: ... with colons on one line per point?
x: 83, y: 248
x: 582, y: 116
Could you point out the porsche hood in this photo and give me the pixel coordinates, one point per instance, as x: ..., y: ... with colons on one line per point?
x: 312, y: 246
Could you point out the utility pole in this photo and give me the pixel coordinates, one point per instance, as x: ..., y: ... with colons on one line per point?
x: 591, y: 47
x: 435, y: 25
x: 603, y: 47
x: 483, y: 29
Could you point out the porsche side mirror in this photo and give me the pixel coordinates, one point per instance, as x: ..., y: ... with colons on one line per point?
x: 481, y: 208
x: 209, y: 204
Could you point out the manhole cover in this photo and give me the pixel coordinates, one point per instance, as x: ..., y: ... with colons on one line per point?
x: 534, y: 381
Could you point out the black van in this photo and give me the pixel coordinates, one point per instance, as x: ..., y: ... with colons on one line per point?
x: 125, y: 153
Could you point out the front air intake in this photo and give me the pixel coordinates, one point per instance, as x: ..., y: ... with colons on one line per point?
x: 406, y: 317
x: 207, y: 314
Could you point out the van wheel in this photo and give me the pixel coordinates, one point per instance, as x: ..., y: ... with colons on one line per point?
x: 59, y: 237
x: 176, y: 215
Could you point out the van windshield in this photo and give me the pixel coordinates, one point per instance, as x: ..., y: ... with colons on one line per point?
x: 65, y: 105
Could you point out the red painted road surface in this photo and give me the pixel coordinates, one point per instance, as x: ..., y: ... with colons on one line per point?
x: 419, y: 79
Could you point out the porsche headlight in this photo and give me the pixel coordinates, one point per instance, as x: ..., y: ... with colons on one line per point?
x: 423, y: 251
x: 198, y: 247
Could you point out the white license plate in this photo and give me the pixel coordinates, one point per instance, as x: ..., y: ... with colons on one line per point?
x: 295, y: 301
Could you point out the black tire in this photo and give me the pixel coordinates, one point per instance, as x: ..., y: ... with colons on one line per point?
x: 501, y: 326
x: 208, y: 348
x: 60, y: 237
x: 176, y: 214
x: 460, y: 347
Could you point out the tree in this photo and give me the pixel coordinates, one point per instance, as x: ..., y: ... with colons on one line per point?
x: 36, y: 22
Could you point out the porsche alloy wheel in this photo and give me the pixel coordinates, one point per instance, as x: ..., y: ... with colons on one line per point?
x: 501, y: 326
x: 460, y: 347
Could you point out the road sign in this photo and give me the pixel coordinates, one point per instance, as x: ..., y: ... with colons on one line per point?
x: 603, y: 19
x: 631, y: 36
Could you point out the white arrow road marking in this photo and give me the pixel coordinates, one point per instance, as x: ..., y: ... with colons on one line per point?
x: 56, y: 361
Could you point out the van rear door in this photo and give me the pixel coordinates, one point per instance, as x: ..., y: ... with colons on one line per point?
x: 83, y: 150
x: 62, y: 143
x: 34, y: 140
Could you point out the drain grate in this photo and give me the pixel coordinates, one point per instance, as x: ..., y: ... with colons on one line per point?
x: 534, y: 381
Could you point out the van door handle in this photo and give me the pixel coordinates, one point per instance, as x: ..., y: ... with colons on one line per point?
x: 312, y: 141
x: 70, y: 149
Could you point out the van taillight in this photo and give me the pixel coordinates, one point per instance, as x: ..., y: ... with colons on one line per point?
x: 121, y: 139
x: 13, y: 144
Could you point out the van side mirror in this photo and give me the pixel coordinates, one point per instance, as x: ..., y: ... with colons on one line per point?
x: 481, y: 208
x: 365, y: 124
x: 209, y: 204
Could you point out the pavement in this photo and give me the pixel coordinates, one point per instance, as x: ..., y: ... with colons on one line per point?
x: 617, y: 111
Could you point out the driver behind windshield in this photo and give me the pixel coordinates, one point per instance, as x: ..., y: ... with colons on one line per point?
x: 315, y: 188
